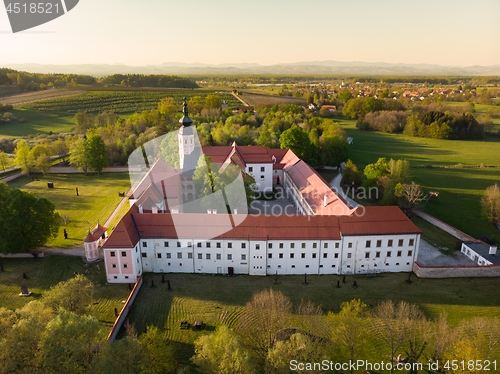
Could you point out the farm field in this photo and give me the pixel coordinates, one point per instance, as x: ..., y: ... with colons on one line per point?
x: 218, y: 300
x: 36, y: 122
x: 256, y: 99
x: 98, y: 198
x: 119, y: 101
x: 23, y: 98
x: 460, y: 189
x: 46, y: 272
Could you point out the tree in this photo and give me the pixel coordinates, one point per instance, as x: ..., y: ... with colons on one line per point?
x: 129, y: 351
x: 26, y: 222
x: 69, y: 343
x: 75, y: 295
x: 167, y: 107
x: 97, y: 153
x: 79, y: 154
x: 24, y: 158
x: 334, y: 150
x: 213, y: 102
x: 345, y: 95
x: 490, y: 203
x: 349, y: 328
x: 392, y: 324
x: 158, y: 351
x: 377, y: 170
x: 264, y: 316
x: 4, y: 159
x: 60, y: 148
x: 43, y: 163
x: 222, y: 352
x: 298, y: 141
x: 411, y: 194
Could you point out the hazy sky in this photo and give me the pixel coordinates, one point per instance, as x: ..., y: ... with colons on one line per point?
x: 143, y: 32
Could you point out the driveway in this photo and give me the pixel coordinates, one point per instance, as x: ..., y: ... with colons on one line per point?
x: 428, y: 255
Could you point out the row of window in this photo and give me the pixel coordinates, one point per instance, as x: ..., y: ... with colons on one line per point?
x: 389, y: 254
x: 390, y: 243
x: 243, y: 245
x: 208, y: 256
x: 262, y: 169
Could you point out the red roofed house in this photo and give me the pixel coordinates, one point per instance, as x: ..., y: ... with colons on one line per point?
x: 92, y: 242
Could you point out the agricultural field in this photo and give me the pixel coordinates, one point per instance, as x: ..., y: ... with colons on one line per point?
x: 27, y: 97
x: 219, y: 300
x: 98, y: 197
x: 34, y: 122
x: 46, y: 272
x: 256, y: 99
x: 460, y: 189
x: 119, y: 101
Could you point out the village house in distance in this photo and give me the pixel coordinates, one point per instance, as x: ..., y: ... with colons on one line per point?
x: 326, y: 236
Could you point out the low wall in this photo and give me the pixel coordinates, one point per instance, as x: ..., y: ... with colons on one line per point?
x: 21, y: 255
x: 444, y: 226
x: 455, y: 271
x: 126, y: 308
x: 73, y: 170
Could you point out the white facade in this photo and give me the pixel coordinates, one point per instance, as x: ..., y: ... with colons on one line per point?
x: 480, y: 253
x: 349, y: 255
x: 263, y: 175
x: 123, y: 265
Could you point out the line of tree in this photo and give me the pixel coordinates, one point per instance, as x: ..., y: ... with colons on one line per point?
x: 140, y: 80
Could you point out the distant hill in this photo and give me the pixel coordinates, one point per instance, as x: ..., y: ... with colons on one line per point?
x: 311, y: 67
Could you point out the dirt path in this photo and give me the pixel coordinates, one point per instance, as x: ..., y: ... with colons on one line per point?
x: 240, y: 99
x: 29, y: 97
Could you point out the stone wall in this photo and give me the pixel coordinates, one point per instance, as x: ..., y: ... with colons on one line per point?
x: 455, y: 271
x: 444, y: 226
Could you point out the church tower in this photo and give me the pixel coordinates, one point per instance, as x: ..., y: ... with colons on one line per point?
x: 186, y: 136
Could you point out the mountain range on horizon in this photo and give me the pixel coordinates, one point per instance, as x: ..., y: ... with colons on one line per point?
x: 304, y: 67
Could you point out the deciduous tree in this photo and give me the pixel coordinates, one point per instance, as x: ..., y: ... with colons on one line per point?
x: 490, y: 203
x: 24, y: 158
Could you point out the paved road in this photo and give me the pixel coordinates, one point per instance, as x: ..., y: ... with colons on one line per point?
x: 335, y: 184
x: 428, y: 255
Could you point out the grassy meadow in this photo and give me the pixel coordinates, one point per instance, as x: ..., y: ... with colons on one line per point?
x: 219, y: 300
x: 98, y: 198
x: 460, y: 189
x: 46, y: 272
x: 36, y: 122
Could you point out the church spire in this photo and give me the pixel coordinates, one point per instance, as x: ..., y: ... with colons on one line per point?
x: 185, y: 120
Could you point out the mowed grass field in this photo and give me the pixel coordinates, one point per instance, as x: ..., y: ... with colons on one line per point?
x: 460, y: 189
x: 36, y: 122
x: 220, y: 300
x: 46, y: 272
x: 98, y: 197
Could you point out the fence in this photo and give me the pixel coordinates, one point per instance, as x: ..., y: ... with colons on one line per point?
x: 126, y: 308
x: 455, y: 271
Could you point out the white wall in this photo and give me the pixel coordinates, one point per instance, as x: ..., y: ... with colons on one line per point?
x: 265, y: 184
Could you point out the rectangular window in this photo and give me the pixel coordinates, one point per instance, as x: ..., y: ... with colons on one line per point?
x: 270, y: 245
x: 207, y: 256
x: 280, y: 255
x: 399, y: 253
x: 412, y: 241
x: 314, y: 255
x: 349, y: 245
x: 158, y: 255
x: 243, y: 257
x: 124, y: 254
x: 261, y: 177
x: 190, y: 244
x: 230, y: 257
x: 179, y: 254
x: 325, y: 255
x: 200, y: 256
x: 348, y: 255
x: 368, y: 243
x: 379, y: 243
x: 269, y: 255
x: 190, y: 255
x: 336, y: 255
x: 389, y: 243
x: 207, y: 245
x: 169, y: 255
x: 400, y: 243
x: 165, y: 244
x: 377, y: 254
x: 315, y: 245
x: 262, y: 169
x: 337, y: 245
x: 281, y: 245
x: 292, y: 255
x: 257, y: 246
x: 325, y: 245
x: 302, y: 255
x: 389, y: 254
x: 113, y: 266
x: 293, y: 266
x: 218, y: 256
x: 250, y: 169
x: 144, y: 254
x: 112, y: 253
x: 125, y: 266
x: 144, y: 244
x: 303, y: 245
x: 198, y: 245
x: 218, y: 245
x: 367, y: 255
x: 292, y: 245
x: 178, y: 244
x: 410, y: 253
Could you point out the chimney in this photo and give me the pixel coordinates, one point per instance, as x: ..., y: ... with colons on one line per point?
x: 155, y: 209
x: 209, y: 211
x: 214, y: 211
x: 235, y: 211
x: 324, y: 201
x: 493, y: 251
x: 140, y: 209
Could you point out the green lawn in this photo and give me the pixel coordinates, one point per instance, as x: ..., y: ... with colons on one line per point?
x: 46, y: 272
x: 37, y: 123
x: 460, y: 189
x: 217, y: 300
x: 98, y: 198
x: 435, y: 235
